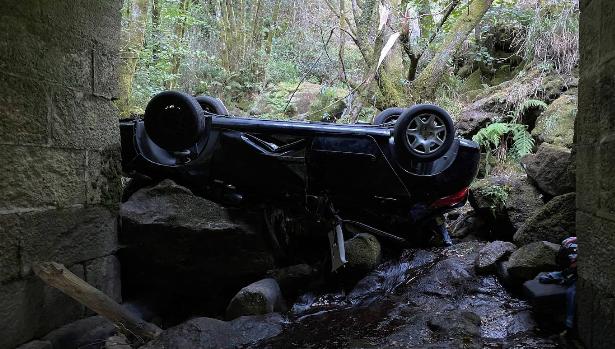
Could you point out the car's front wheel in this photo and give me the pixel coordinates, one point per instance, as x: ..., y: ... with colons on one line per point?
x: 424, y: 132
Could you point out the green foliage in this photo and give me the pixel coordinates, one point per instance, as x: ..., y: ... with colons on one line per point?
x: 495, y: 195
x: 525, y: 106
x: 328, y: 106
x: 495, y: 138
x: 552, y: 36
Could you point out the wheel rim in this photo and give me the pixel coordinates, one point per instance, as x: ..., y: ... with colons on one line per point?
x: 426, y: 133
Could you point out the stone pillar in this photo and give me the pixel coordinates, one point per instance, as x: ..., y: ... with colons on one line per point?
x: 59, y: 156
x: 595, y: 144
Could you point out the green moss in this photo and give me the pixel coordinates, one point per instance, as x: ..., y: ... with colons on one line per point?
x: 504, y: 73
x: 473, y: 82
x: 328, y: 105
x: 556, y: 124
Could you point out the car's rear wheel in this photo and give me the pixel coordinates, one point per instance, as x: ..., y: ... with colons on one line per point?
x: 388, y: 116
x: 174, y: 120
x: 424, y: 132
x: 212, y: 105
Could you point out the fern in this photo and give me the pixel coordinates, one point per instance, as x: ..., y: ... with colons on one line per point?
x: 527, y: 105
x: 495, y: 137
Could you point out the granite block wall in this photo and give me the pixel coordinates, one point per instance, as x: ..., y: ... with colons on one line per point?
x: 595, y: 146
x: 59, y: 151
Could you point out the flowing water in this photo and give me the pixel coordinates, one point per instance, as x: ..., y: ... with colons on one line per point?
x: 423, y: 299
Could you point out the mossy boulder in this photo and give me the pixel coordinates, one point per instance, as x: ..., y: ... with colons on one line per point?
x: 502, y: 74
x: 551, y: 169
x: 258, y: 298
x: 529, y: 260
x: 328, y: 104
x: 523, y: 201
x: 553, y: 223
x: 273, y: 102
x: 556, y: 124
x: 473, y: 82
x: 488, y: 199
x: 363, y: 253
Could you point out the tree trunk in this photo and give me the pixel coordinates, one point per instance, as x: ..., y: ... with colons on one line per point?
x: 155, y: 30
x: 132, y: 43
x: 425, y: 85
x: 271, y: 34
x: 180, y: 30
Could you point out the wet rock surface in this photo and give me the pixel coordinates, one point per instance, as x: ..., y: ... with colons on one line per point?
x: 206, y: 333
x: 423, y: 299
x: 492, y: 253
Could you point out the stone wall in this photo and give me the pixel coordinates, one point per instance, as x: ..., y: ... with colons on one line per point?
x: 595, y: 144
x: 59, y: 141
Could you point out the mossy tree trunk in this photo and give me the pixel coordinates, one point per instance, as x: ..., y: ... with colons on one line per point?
x: 131, y: 45
x: 425, y: 85
x: 180, y: 31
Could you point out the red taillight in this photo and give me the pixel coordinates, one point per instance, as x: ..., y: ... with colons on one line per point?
x: 451, y: 200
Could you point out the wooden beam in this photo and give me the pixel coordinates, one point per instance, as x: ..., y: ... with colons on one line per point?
x: 58, y: 276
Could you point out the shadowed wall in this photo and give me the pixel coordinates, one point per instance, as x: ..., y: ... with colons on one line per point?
x: 595, y: 145
x: 59, y: 141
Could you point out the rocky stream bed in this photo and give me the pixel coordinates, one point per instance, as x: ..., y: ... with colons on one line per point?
x: 422, y: 299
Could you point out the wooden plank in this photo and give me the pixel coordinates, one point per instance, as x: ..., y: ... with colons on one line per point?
x: 58, y: 276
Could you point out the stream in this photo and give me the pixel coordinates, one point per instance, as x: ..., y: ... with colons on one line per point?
x: 422, y: 299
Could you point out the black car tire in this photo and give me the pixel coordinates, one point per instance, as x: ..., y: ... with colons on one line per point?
x: 427, y: 125
x: 174, y: 120
x: 212, y: 105
x: 389, y: 115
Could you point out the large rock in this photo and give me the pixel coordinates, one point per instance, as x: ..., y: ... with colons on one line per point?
x: 551, y: 169
x: 181, y: 248
x: 529, y: 260
x: 472, y: 120
x: 258, y: 298
x: 206, y: 333
x: 523, y: 201
x: 81, y: 333
x: 556, y: 124
x: 553, y: 223
x: 488, y: 197
x: 36, y: 344
x: 492, y: 253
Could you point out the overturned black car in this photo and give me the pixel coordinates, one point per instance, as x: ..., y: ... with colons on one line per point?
x: 393, y: 178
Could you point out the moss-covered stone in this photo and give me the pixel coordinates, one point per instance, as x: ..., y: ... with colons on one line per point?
x: 531, y: 259
x: 473, y: 82
x: 553, y: 223
x: 556, y: 124
x: 502, y: 74
x: 363, y: 252
x: 328, y: 105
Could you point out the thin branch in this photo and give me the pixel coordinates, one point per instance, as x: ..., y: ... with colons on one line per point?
x: 339, y: 15
x: 309, y: 70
